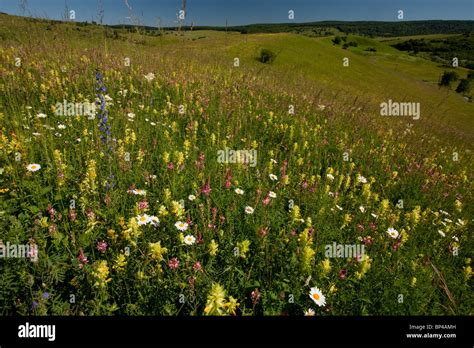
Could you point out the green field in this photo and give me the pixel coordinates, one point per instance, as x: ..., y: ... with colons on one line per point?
x: 232, y: 238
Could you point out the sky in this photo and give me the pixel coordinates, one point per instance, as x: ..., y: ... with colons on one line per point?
x: 241, y: 12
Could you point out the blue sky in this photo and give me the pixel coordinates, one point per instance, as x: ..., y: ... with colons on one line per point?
x: 238, y: 12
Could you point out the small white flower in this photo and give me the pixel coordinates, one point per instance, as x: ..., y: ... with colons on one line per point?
x: 107, y: 98
x: 154, y: 220
x: 361, y: 179
x: 338, y: 207
x: 150, y: 77
x: 61, y: 126
x: 153, y: 123
x: 330, y: 176
x: 189, y: 240
x: 239, y: 191
x: 191, y: 197
x: 131, y: 115
x: 182, y: 226
x: 272, y: 194
x: 392, y: 232
x: 321, y: 107
x: 273, y: 161
x: 362, y: 209
x: 273, y: 177
x: 36, y: 134
x: 41, y: 115
x: 373, y: 215
x: 309, y: 313
x: 249, y: 210
x: 138, y: 192
x: 33, y: 167
x: 442, y: 233
x: 317, y: 296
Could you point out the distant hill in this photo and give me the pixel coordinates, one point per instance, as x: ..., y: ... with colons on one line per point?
x: 369, y: 28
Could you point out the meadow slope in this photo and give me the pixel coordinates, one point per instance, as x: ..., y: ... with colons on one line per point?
x: 133, y: 213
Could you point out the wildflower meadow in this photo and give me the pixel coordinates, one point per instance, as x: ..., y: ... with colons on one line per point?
x: 178, y: 175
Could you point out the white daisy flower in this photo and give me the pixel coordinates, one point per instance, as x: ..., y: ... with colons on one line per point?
x: 272, y: 194
x: 61, y: 126
x: 33, y: 167
x: 330, y: 176
x: 309, y: 313
x: 131, y: 115
x: 41, y: 115
x: 273, y: 177
x: 191, y: 197
x: 392, y: 232
x: 317, y: 296
x: 182, y: 226
x: 143, y: 219
x: 189, y: 240
x: 239, y: 191
x: 249, y: 210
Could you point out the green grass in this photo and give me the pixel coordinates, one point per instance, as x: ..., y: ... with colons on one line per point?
x: 322, y: 155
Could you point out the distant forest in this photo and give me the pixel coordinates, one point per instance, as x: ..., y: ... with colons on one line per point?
x: 443, y: 50
x: 372, y: 29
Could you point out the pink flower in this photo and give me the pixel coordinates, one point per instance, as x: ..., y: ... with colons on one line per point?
x: 266, y: 200
x: 206, y: 189
x: 102, y: 246
x: 343, y: 274
x: 197, y: 266
x: 173, y: 263
x: 142, y: 205
x: 72, y: 215
x: 82, y: 259
x: 170, y: 166
x: 255, y: 296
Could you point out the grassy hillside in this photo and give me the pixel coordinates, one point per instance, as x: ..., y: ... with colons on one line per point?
x: 134, y: 212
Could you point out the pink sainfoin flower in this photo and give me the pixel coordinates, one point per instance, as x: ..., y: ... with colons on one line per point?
x: 173, y: 263
x: 82, y: 259
x: 197, y: 266
x: 143, y: 205
x: 255, y: 296
x: 102, y: 246
x: 228, y: 178
x: 206, y: 189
